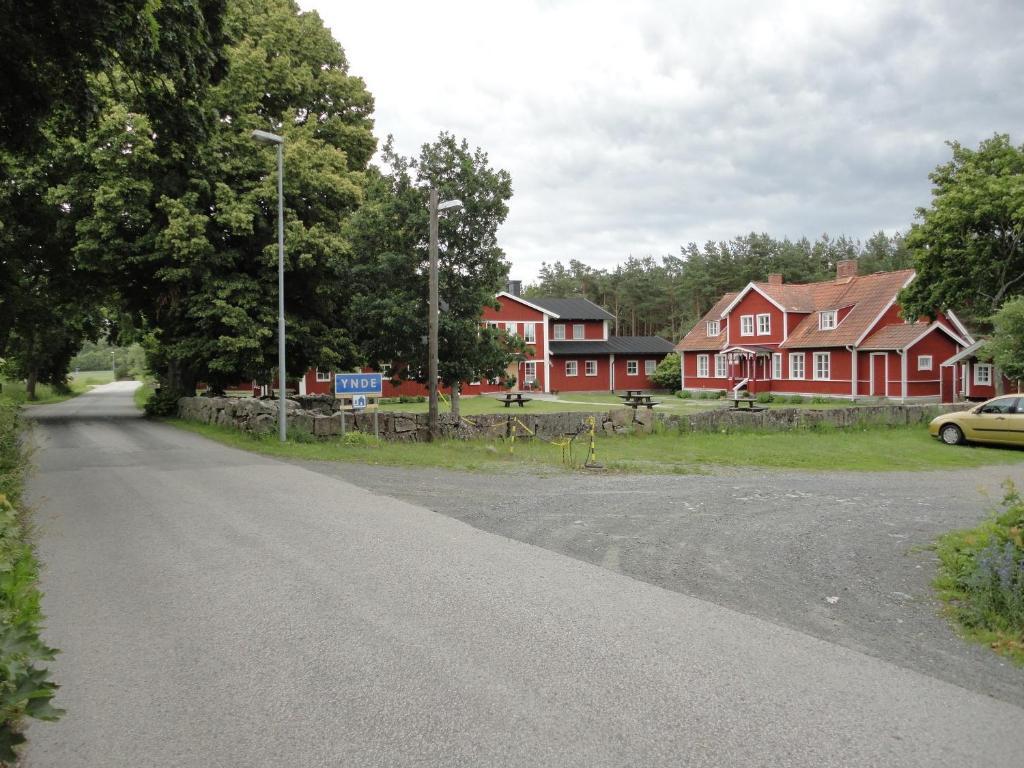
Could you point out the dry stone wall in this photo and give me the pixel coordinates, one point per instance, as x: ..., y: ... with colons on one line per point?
x: 320, y: 416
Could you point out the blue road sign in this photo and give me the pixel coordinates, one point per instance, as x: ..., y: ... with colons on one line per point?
x: 359, y: 384
x: 359, y: 402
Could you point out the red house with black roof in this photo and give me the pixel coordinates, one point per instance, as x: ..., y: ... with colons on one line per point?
x: 841, y: 338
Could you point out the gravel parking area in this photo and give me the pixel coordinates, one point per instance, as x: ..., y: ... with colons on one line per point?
x: 840, y: 556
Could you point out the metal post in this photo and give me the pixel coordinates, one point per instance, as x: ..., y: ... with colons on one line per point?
x: 113, y: 367
x: 282, y: 370
x: 432, y: 321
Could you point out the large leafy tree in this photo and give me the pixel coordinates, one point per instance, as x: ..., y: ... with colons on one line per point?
x: 186, y: 230
x: 1006, y: 346
x: 967, y: 246
x: 51, y: 51
x: 390, y: 235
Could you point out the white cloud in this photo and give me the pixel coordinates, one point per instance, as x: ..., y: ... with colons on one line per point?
x: 634, y: 128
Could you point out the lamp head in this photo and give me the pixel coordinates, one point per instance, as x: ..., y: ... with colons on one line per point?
x: 449, y: 204
x: 265, y: 137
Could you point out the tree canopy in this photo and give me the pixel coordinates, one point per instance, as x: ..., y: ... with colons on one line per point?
x: 1006, y: 346
x: 967, y: 245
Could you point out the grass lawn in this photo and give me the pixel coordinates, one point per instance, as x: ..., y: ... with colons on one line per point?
x: 870, y: 450
x: 77, y: 384
x: 474, y: 406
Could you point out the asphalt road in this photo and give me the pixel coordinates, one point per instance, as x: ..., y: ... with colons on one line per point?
x: 217, y: 608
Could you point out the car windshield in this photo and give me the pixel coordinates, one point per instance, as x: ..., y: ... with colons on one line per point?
x: 1002, y: 405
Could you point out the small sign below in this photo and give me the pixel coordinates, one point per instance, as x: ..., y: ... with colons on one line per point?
x: 358, y: 402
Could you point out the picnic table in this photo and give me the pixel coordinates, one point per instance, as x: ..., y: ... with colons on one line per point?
x: 513, y: 397
x: 737, y: 404
x: 634, y: 398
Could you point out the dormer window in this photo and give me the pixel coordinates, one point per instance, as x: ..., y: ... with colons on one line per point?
x: 713, y: 328
x: 827, y: 320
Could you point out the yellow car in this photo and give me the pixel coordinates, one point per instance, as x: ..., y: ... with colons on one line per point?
x: 999, y: 420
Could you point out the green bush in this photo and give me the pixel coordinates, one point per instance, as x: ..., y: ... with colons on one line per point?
x: 25, y: 688
x: 981, y: 576
x: 668, y: 375
x: 765, y: 397
x: 162, y: 403
x: 412, y: 399
x: 359, y: 438
x: 819, y: 400
x: 685, y: 394
x: 796, y: 399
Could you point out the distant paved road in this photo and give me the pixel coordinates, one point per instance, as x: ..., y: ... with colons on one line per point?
x: 216, y: 608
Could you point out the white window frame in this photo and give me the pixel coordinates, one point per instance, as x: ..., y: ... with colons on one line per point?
x: 579, y: 331
x: 590, y: 368
x: 746, y: 325
x: 924, y: 362
x: 776, y: 366
x: 529, y: 365
x: 818, y: 358
x: 321, y: 377
x: 558, y: 332
x: 714, y: 328
x: 702, y: 367
x: 530, y: 333
x: 978, y: 381
x: 510, y: 329
x: 572, y: 368
x: 632, y: 367
x: 650, y: 366
x: 827, y: 320
x: 721, y: 366
x: 797, y: 365
x: 767, y: 318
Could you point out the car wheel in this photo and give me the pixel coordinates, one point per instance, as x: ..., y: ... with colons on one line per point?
x: 951, y: 434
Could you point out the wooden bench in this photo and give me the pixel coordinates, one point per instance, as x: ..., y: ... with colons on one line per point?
x: 514, y: 397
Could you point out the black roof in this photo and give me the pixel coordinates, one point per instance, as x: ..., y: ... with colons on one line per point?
x: 573, y: 309
x: 615, y: 345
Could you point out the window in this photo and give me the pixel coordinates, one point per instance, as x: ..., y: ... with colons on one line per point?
x: 590, y: 368
x: 721, y: 370
x: 714, y: 328
x: 983, y: 375
x: 776, y: 365
x: 530, y: 333
x: 559, y: 332
x: 827, y: 320
x: 511, y: 328
x: 924, y: 362
x: 747, y: 325
x: 1002, y: 405
x: 632, y: 368
x: 650, y: 366
x: 796, y: 365
x: 764, y: 325
x: 530, y: 372
x: 385, y: 370
x: 577, y: 331
x: 323, y: 375
x: 702, y: 366
x: 822, y: 366
x: 571, y: 368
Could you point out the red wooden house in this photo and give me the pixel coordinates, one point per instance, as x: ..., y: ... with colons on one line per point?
x: 840, y: 338
x: 966, y: 377
x: 571, y: 350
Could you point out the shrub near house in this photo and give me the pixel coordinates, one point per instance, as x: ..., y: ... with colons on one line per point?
x: 841, y: 338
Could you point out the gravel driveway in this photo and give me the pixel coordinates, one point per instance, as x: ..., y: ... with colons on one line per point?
x: 841, y: 556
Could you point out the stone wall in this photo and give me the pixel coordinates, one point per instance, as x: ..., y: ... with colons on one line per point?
x: 320, y: 416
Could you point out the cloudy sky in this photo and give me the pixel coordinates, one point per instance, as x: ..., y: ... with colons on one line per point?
x: 632, y: 128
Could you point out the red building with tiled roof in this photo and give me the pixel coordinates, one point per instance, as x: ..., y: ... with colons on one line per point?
x: 570, y: 350
x: 841, y: 338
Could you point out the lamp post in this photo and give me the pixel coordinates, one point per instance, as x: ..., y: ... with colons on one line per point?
x: 113, y: 366
x: 432, y: 318
x: 272, y: 138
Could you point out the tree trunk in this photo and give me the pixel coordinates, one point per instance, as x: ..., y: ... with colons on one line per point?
x: 998, y: 381
x: 30, y: 383
x: 456, y: 412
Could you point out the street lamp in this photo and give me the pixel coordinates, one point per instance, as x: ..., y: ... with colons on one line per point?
x: 432, y: 319
x: 272, y: 138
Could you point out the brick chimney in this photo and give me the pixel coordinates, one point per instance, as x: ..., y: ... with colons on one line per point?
x: 846, y: 269
x: 775, y: 279
x: 514, y: 287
